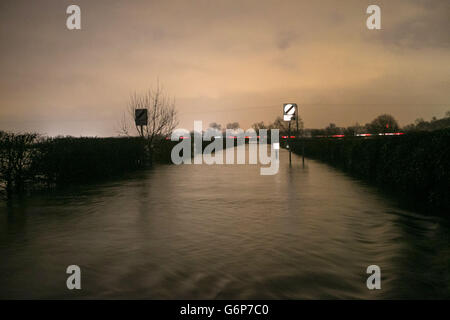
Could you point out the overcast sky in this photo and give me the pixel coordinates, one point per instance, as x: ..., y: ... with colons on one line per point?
x: 223, y: 61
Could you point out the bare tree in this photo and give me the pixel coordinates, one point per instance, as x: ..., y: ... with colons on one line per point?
x: 332, y: 129
x: 258, y: 126
x: 384, y: 123
x: 161, y: 111
x: 233, y: 125
x: 17, y: 152
x: 215, y: 125
x: 280, y: 124
x: 354, y: 129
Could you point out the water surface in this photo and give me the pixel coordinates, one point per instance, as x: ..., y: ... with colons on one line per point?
x: 222, y: 231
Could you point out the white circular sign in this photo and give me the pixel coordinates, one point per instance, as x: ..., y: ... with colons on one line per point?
x: 289, y: 108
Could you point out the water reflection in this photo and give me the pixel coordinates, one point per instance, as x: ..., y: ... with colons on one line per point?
x: 224, y: 231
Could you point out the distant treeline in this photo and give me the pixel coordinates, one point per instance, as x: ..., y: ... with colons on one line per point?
x: 384, y: 123
x: 416, y: 164
x: 28, y: 161
x: 434, y: 124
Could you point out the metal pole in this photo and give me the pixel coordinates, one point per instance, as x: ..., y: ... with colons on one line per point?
x: 303, y: 146
x: 303, y: 150
x: 289, y: 143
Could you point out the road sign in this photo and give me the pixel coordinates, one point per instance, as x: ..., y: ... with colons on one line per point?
x: 140, y: 117
x: 289, y: 110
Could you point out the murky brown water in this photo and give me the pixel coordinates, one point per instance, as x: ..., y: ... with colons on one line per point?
x: 222, y: 231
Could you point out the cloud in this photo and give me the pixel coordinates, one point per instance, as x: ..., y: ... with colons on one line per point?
x: 219, y: 55
x: 415, y: 24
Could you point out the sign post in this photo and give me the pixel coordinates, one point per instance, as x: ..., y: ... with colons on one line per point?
x: 289, y: 143
x: 289, y: 114
x: 141, y: 119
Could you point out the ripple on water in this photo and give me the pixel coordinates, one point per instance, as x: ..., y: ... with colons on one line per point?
x: 223, y: 232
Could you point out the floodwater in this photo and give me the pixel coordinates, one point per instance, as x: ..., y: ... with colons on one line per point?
x: 220, y: 232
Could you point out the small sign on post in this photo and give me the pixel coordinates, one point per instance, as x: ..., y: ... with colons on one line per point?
x: 140, y: 117
x: 289, y: 110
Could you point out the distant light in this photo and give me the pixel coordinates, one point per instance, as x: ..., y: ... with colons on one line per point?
x: 391, y: 134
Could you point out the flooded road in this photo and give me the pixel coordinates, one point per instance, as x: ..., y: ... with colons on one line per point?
x: 219, y: 232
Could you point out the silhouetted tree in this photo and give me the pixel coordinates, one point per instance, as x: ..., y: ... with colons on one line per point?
x: 259, y: 125
x: 215, y: 125
x: 435, y: 124
x: 382, y: 124
x: 233, y: 125
x: 332, y: 129
x: 162, y: 115
x: 280, y: 124
x: 354, y: 130
x: 17, y: 152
